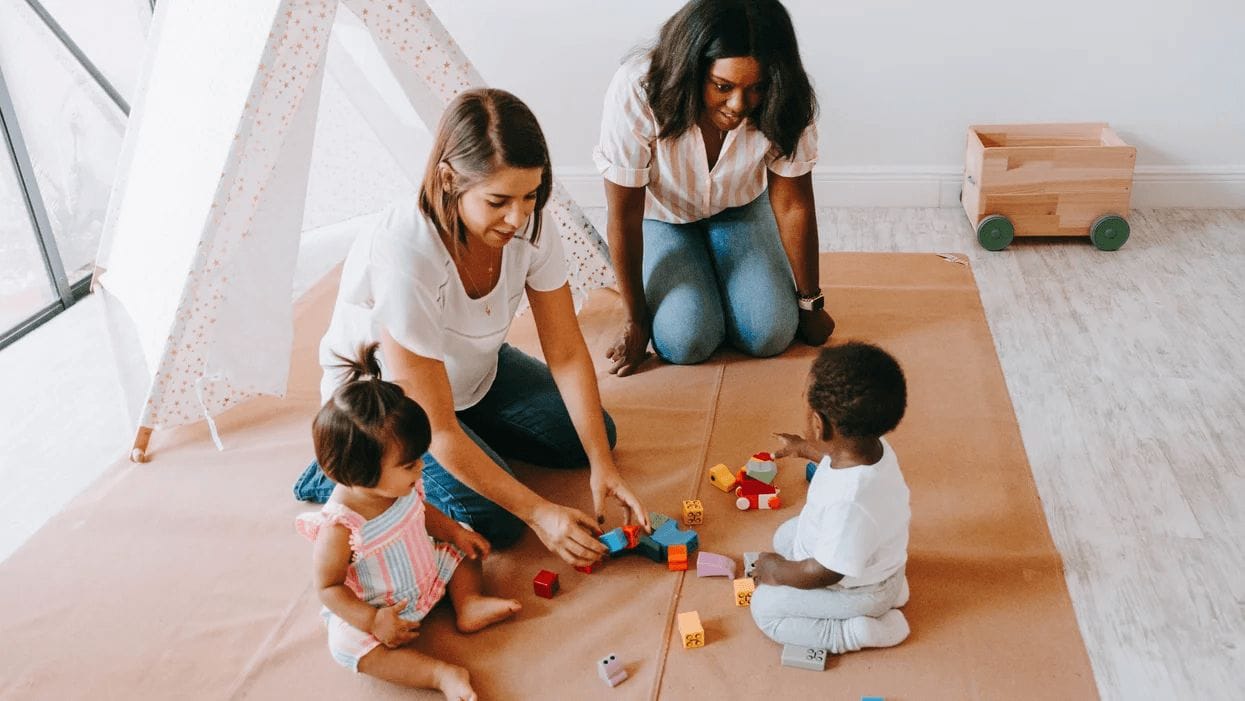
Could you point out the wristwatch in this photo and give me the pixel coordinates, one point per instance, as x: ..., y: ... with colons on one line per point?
x: 814, y: 303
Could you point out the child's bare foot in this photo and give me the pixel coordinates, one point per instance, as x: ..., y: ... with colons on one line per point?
x: 455, y: 683
x: 479, y: 612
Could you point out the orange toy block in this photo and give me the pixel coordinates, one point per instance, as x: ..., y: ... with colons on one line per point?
x: 676, y: 558
x: 720, y: 476
x: 632, y: 531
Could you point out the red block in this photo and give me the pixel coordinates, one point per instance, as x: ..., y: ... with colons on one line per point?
x: 632, y: 531
x: 749, y: 486
x: 545, y: 584
x: 585, y: 570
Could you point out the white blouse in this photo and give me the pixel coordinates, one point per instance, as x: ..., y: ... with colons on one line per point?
x: 400, y: 278
x: 681, y: 186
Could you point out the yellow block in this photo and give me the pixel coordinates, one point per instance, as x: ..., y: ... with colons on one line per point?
x: 721, y: 477
x: 693, y: 512
x: 743, y: 591
x: 690, y: 630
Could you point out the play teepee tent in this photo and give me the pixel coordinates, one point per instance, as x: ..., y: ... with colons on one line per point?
x: 198, y: 252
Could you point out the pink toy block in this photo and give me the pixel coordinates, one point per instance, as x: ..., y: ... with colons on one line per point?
x: 714, y: 565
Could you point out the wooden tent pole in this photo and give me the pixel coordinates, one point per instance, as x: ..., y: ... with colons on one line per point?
x: 139, y: 453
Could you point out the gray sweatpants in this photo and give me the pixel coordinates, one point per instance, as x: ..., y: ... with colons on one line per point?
x: 814, y: 617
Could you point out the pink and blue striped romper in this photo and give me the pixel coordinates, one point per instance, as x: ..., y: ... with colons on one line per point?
x: 393, y: 559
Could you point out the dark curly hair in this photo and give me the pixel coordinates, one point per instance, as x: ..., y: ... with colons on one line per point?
x: 859, y: 388
x: 363, y: 416
x: 704, y: 31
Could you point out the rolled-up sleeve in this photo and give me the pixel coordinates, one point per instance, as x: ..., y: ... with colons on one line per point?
x: 801, y: 161
x: 628, y: 131
x: 547, y: 270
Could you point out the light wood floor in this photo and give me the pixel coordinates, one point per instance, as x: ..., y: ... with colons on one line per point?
x: 1127, y: 371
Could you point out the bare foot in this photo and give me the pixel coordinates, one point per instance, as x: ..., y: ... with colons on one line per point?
x: 481, y: 611
x: 455, y: 683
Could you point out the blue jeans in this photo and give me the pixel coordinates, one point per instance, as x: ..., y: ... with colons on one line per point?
x: 523, y: 417
x: 723, y: 278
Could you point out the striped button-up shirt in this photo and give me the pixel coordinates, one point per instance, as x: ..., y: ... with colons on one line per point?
x: 681, y: 186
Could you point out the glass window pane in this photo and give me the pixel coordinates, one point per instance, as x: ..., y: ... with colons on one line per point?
x: 25, y: 287
x: 110, y: 32
x: 72, y: 129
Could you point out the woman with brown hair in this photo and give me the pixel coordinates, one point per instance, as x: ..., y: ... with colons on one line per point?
x: 437, y: 284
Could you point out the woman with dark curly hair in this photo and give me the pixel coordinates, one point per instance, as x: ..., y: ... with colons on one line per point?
x: 695, y: 134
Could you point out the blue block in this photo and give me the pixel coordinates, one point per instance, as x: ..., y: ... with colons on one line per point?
x: 872, y: 698
x: 615, y: 540
x: 651, y: 549
x: 656, y: 519
x: 669, y: 534
x: 809, y: 469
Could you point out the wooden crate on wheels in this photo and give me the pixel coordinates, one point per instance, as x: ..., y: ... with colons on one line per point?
x: 1048, y: 180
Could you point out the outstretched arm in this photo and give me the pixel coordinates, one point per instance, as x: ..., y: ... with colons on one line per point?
x: 772, y: 568
x: 565, y: 532
x: 571, y: 365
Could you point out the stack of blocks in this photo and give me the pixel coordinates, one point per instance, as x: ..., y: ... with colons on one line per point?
x: 656, y: 546
x: 676, y: 558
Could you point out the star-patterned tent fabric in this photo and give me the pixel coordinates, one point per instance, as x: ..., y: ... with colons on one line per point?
x: 202, y: 232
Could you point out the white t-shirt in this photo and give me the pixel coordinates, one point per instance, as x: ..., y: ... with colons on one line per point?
x: 681, y: 186
x: 856, y: 520
x: 400, y: 277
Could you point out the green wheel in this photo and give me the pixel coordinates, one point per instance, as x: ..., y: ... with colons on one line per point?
x: 995, y: 232
x: 1109, y: 232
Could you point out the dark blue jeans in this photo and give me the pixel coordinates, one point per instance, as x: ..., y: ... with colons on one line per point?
x: 522, y: 417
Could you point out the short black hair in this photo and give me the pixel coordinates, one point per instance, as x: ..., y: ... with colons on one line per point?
x: 363, y: 416
x: 704, y: 31
x: 859, y: 388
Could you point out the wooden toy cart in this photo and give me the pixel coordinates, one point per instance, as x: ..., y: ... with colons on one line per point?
x: 1048, y: 180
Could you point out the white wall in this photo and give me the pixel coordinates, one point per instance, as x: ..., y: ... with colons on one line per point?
x: 900, y: 81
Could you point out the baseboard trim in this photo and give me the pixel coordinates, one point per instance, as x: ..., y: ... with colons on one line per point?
x: 1200, y: 187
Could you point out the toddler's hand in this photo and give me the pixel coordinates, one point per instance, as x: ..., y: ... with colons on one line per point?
x: 471, y: 543
x: 391, y: 630
x: 790, y: 444
x: 766, y: 570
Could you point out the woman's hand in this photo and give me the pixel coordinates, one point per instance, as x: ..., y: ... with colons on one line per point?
x: 471, y: 543
x: 391, y: 630
x: 815, y: 326
x: 607, y: 482
x: 568, y: 533
x: 630, y: 349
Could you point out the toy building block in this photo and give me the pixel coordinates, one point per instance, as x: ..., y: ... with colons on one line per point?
x: 669, y: 534
x: 743, y: 591
x: 676, y: 558
x: 813, y: 658
x: 750, y: 563
x: 761, y: 467
x: 690, y: 630
x: 872, y: 698
x: 611, y: 670
x: 714, y: 565
x: 587, y: 569
x: 758, y: 501
x: 632, y: 532
x: 655, y: 519
x: 651, y: 549
x: 615, y: 540
x: 545, y: 583
x: 748, y: 486
x: 720, y: 476
x: 693, y: 512
x: 809, y: 470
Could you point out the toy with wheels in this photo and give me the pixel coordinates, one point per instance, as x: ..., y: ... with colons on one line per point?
x: 758, y: 501
x: 1048, y: 180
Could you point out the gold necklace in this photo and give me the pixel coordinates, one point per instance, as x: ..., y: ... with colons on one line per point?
x: 488, y: 307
